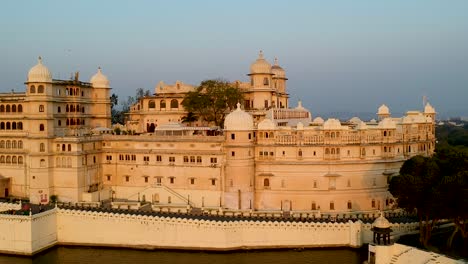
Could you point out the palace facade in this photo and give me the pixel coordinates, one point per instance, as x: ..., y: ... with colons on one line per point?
x: 55, y: 139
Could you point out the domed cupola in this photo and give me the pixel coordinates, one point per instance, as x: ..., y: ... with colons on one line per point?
x: 238, y: 120
x: 39, y: 73
x: 260, y: 66
x: 277, y: 71
x: 99, y: 80
x: 428, y: 109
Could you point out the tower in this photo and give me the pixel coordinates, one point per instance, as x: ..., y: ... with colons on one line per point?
x: 239, y: 166
x: 383, y: 112
x: 100, y: 95
x: 261, y: 84
x: 279, y: 84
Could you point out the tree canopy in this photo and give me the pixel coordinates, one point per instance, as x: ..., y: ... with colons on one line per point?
x: 212, y: 100
x: 436, y: 188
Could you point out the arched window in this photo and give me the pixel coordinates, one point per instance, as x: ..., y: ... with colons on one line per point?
x: 299, y: 153
x: 20, y: 160
x: 14, y: 160
x: 59, y: 122
x: 2, y: 108
x: 8, y: 108
x: 41, y: 147
x: 14, y: 144
x: 20, y: 144
x: 69, y: 164
x: 332, y: 134
x: 8, y: 125
x: 13, y: 108
x: 2, y: 144
x: 20, y: 108
x: 20, y: 125
x: 385, y: 133
x: 327, y: 151
x: 8, y: 144
x: 69, y: 147
x: 363, y: 151
x: 13, y: 125
x: 266, y: 182
x: 63, y: 147
x: 41, y: 108
x: 42, y: 163
x: 2, y: 125
x: 40, y: 89
x: 350, y: 205
x: 174, y: 103
x: 41, y: 127
x: 151, y: 104
x: 57, y: 162
x: 8, y: 159
x: 78, y: 108
x: 2, y: 159
x: 265, y: 81
x: 68, y: 122
x: 32, y: 89
x: 67, y: 109
x: 271, y: 135
x: 333, y: 151
x: 59, y: 109
x: 162, y: 104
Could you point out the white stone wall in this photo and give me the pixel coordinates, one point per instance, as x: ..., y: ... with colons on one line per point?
x: 26, y: 235
x: 91, y: 228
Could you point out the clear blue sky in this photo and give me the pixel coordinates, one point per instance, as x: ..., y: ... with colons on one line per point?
x: 338, y: 55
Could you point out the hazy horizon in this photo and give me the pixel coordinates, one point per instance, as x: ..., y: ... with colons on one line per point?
x: 338, y: 56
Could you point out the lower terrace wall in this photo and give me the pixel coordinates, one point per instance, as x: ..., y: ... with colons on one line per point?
x: 29, y: 234
x: 109, y: 229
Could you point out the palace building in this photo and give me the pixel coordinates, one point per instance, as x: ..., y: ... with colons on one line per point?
x: 55, y: 139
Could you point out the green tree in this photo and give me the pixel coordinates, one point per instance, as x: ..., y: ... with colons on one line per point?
x: 189, y: 118
x: 212, y: 100
x: 416, y: 189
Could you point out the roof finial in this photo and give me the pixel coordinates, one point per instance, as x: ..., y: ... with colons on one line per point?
x: 39, y: 60
x: 238, y: 106
x: 260, y: 54
x: 276, y: 61
x: 99, y: 69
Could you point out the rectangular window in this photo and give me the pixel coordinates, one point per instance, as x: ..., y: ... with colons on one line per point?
x: 186, y: 159
x: 199, y: 159
x: 146, y: 158
x: 192, y: 159
x: 159, y: 180
x: 158, y: 158
x: 171, y: 159
x: 133, y: 157
x: 213, y: 182
x: 233, y: 136
x: 332, y: 206
x: 108, y: 177
x: 146, y: 179
x: 171, y: 180
x: 214, y: 160
x: 233, y: 153
x: 127, y: 178
x: 192, y: 181
x: 127, y: 157
x: 109, y: 157
x: 121, y: 157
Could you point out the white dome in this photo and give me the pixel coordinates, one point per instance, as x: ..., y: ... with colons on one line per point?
x: 300, y: 126
x: 383, y: 110
x: 387, y: 123
x: 355, y: 120
x: 99, y: 80
x: 266, y: 124
x: 318, y: 120
x: 381, y: 222
x: 260, y: 65
x: 361, y: 126
x: 277, y: 71
x: 299, y: 106
x: 428, y: 109
x: 238, y: 120
x: 332, y: 124
x: 39, y: 73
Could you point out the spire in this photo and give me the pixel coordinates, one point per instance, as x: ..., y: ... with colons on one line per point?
x: 276, y: 61
x: 260, y: 55
x: 39, y: 60
x: 99, y: 69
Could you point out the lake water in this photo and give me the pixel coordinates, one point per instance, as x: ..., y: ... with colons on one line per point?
x: 75, y: 255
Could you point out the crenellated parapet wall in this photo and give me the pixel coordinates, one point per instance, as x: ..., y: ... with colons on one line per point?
x: 27, y: 235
